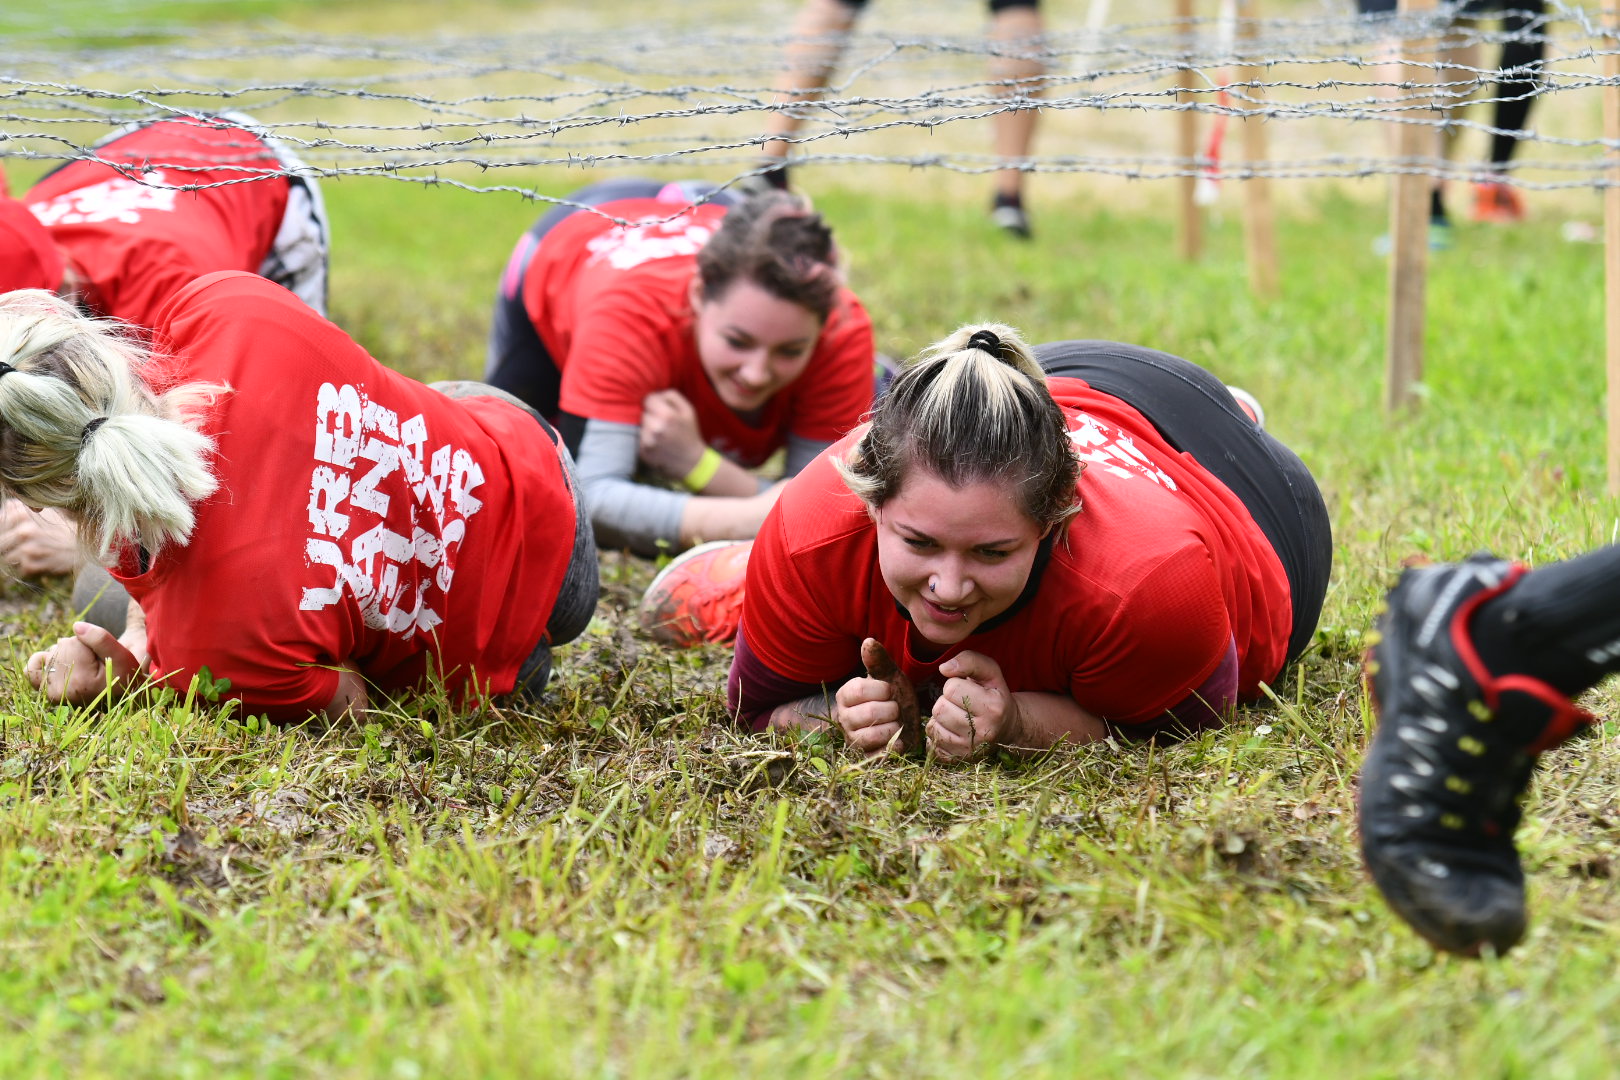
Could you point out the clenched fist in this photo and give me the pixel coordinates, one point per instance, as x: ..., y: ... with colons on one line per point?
x: 975, y: 711
x: 879, y: 711
x: 669, y: 441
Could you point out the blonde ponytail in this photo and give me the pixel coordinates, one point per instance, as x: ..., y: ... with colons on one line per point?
x: 80, y: 429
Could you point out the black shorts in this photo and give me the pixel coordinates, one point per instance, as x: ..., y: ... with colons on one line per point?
x: 517, y: 360
x: 1471, y: 7
x: 1194, y: 412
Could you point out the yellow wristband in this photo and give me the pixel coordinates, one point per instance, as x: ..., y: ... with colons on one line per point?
x: 703, y: 471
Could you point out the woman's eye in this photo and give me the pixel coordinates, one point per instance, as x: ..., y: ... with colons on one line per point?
x: 993, y: 554
x: 917, y: 543
x: 737, y: 343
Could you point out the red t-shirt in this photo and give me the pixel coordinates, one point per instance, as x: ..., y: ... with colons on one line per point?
x: 137, y: 241
x: 1160, y: 573
x: 611, y: 306
x: 361, y: 517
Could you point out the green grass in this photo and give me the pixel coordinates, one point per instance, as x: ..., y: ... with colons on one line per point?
x: 106, y: 22
x: 617, y: 884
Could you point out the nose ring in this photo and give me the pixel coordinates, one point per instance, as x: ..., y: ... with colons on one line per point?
x: 930, y: 586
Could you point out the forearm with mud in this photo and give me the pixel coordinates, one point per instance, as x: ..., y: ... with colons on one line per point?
x: 1044, y: 720
x: 734, y: 481
x: 731, y: 481
x: 708, y: 517
x: 646, y: 518
x: 811, y: 713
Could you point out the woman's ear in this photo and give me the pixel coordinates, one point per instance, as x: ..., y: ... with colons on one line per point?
x: 694, y: 292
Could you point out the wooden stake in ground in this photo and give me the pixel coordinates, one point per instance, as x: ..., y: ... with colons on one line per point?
x: 1258, y: 224
x: 1192, y: 216
x: 1611, y: 234
x: 1415, y: 149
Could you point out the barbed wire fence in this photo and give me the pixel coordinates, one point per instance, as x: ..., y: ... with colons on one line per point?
x: 1339, y: 97
x: 647, y: 99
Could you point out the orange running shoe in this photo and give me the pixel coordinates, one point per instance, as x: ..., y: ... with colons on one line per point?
x: 698, y: 596
x: 1495, y: 203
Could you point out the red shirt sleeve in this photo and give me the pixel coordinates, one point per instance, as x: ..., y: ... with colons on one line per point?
x: 622, y: 350
x: 1168, y: 636
x: 137, y: 240
x: 753, y: 690
x: 790, y: 631
x: 1206, y: 707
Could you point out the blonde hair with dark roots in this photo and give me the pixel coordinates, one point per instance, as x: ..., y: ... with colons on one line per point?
x: 968, y: 414
x: 81, y: 431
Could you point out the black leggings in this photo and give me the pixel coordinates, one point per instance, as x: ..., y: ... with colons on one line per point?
x: 1194, y: 412
x: 1525, y: 20
x: 517, y: 360
x: 1524, y: 24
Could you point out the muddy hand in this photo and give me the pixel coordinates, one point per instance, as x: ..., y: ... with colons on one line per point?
x: 880, y: 665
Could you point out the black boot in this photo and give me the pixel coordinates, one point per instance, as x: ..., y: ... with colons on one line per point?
x: 1454, y: 752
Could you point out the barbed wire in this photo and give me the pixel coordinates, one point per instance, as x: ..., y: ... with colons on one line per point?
x: 449, y: 111
x: 1200, y: 38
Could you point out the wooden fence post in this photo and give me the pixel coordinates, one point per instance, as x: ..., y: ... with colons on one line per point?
x: 1258, y: 224
x: 1415, y: 146
x: 1192, y: 215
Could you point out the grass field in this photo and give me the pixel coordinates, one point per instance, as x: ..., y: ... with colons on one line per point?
x: 618, y: 885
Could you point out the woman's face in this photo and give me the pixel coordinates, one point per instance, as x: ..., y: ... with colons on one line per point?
x: 751, y: 344
x: 954, y: 557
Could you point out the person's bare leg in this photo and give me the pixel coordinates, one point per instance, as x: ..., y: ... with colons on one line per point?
x: 1015, y: 34
x: 819, y: 33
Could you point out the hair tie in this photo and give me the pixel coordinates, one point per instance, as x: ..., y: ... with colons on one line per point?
x: 5, y: 369
x: 988, y: 341
x: 90, y: 429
